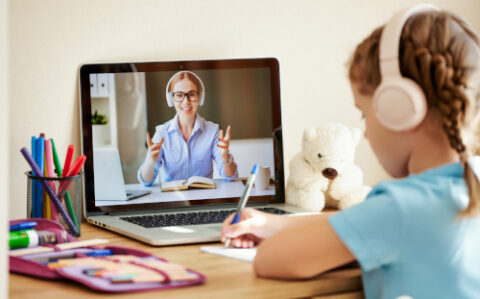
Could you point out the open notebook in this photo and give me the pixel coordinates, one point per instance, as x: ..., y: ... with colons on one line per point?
x: 191, y: 182
x: 243, y: 254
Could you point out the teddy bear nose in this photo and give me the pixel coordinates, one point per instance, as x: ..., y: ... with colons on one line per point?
x: 329, y: 173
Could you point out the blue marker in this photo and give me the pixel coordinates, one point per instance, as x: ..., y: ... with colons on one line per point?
x: 244, y: 198
x: 100, y: 252
x: 40, y: 162
x: 23, y: 226
x: 35, y: 183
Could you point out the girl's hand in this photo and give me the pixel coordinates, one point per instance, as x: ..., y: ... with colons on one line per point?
x: 253, y: 227
x: 153, y: 149
x: 224, y: 143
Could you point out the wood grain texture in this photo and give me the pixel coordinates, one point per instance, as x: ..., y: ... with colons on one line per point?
x: 226, y: 278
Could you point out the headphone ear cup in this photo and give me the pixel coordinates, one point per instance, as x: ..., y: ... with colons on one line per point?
x: 399, y: 104
x: 202, y: 99
x: 168, y: 95
x: 169, y: 100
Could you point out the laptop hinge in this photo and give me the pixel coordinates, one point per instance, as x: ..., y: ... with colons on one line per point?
x: 90, y: 214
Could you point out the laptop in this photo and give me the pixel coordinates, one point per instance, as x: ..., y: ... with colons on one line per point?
x: 132, y: 99
x: 108, y: 174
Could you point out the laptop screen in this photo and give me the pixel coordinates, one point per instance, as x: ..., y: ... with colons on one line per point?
x: 162, y: 135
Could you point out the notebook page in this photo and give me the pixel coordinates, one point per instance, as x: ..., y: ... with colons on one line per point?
x: 199, y: 179
x: 243, y: 254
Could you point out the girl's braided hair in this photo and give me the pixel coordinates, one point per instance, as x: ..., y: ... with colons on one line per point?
x: 440, y: 52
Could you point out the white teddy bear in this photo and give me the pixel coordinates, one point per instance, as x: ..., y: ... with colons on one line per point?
x: 323, y: 174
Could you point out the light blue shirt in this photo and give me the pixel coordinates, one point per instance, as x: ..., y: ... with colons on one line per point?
x: 179, y: 159
x: 408, y: 240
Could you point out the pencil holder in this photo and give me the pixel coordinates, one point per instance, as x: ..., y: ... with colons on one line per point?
x: 69, y: 194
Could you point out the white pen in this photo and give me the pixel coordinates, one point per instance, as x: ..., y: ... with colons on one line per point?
x: 243, y: 199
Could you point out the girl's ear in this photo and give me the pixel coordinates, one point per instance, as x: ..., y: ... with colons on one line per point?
x: 356, y: 134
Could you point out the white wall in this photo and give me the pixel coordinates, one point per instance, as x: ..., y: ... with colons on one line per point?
x: 247, y: 152
x: 3, y: 150
x: 49, y: 39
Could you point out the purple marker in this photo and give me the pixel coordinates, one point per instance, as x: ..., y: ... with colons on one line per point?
x: 48, y: 189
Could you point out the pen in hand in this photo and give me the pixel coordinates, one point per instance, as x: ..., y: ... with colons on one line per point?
x: 243, y: 199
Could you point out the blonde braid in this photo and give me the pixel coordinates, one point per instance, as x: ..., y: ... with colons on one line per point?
x: 444, y: 84
x: 435, y: 75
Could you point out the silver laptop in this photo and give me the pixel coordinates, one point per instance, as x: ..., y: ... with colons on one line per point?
x: 107, y: 167
x: 121, y: 102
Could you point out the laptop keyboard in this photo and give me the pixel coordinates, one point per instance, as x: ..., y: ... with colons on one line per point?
x: 190, y: 218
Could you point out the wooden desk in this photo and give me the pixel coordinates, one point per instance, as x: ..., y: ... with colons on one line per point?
x: 226, y: 278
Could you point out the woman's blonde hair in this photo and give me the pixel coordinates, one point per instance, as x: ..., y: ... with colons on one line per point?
x: 440, y: 52
x: 186, y: 75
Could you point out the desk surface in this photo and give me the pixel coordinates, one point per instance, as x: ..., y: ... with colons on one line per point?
x: 226, y: 278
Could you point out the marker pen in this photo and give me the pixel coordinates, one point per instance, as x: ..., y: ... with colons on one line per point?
x: 23, y: 226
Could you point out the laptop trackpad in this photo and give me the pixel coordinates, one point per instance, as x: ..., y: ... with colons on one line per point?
x: 216, y: 228
x: 189, y: 230
x: 179, y: 229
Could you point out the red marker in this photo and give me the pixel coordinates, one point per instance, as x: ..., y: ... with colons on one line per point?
x: 68, y: 159
x: 77, y: 166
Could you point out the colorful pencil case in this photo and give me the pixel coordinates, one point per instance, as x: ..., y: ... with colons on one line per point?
x: 114, y: 269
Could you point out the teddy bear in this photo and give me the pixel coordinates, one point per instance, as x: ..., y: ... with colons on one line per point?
x: 323, y: 173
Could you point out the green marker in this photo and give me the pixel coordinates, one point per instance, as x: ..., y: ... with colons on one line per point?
x: 58, y: 170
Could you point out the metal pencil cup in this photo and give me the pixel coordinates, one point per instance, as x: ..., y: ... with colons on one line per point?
x: 71, y: 200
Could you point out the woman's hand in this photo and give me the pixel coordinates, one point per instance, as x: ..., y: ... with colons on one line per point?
x: 224, y: 143
x: 153, y: 149
x: 254, y: 226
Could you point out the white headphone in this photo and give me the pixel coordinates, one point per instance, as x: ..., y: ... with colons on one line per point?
x: 399, y: 102
x: 169, y: 95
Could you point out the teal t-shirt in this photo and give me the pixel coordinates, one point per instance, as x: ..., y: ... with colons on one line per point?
x: 408, y: 240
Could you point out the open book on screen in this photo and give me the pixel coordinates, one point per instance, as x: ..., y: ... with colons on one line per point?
x: 192, y: 182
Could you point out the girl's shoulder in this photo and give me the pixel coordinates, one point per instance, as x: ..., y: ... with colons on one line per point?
x: 440, y: 187
x: 442, y: 177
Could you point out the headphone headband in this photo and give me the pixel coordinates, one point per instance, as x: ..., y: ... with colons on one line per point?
x: 390, y: 39
x: 169, y: 96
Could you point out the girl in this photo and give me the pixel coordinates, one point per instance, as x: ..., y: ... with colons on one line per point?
x: 418, y: 235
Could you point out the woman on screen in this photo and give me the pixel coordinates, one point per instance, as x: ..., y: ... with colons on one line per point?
x: 186, y: 145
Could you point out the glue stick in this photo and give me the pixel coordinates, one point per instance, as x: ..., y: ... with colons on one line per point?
x: 23, y: 238
x: 31, y: 237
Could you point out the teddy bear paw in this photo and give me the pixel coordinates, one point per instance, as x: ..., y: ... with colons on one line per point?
x: 354, y: 197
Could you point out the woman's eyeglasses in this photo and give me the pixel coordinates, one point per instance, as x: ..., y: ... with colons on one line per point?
x: 178, y: 96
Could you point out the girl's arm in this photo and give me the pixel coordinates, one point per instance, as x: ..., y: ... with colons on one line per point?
x: 290, y: 246
x: 302, y: 251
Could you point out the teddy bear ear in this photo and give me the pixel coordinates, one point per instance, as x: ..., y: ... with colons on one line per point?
x: 356, y: 134
x: 310, y: 134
